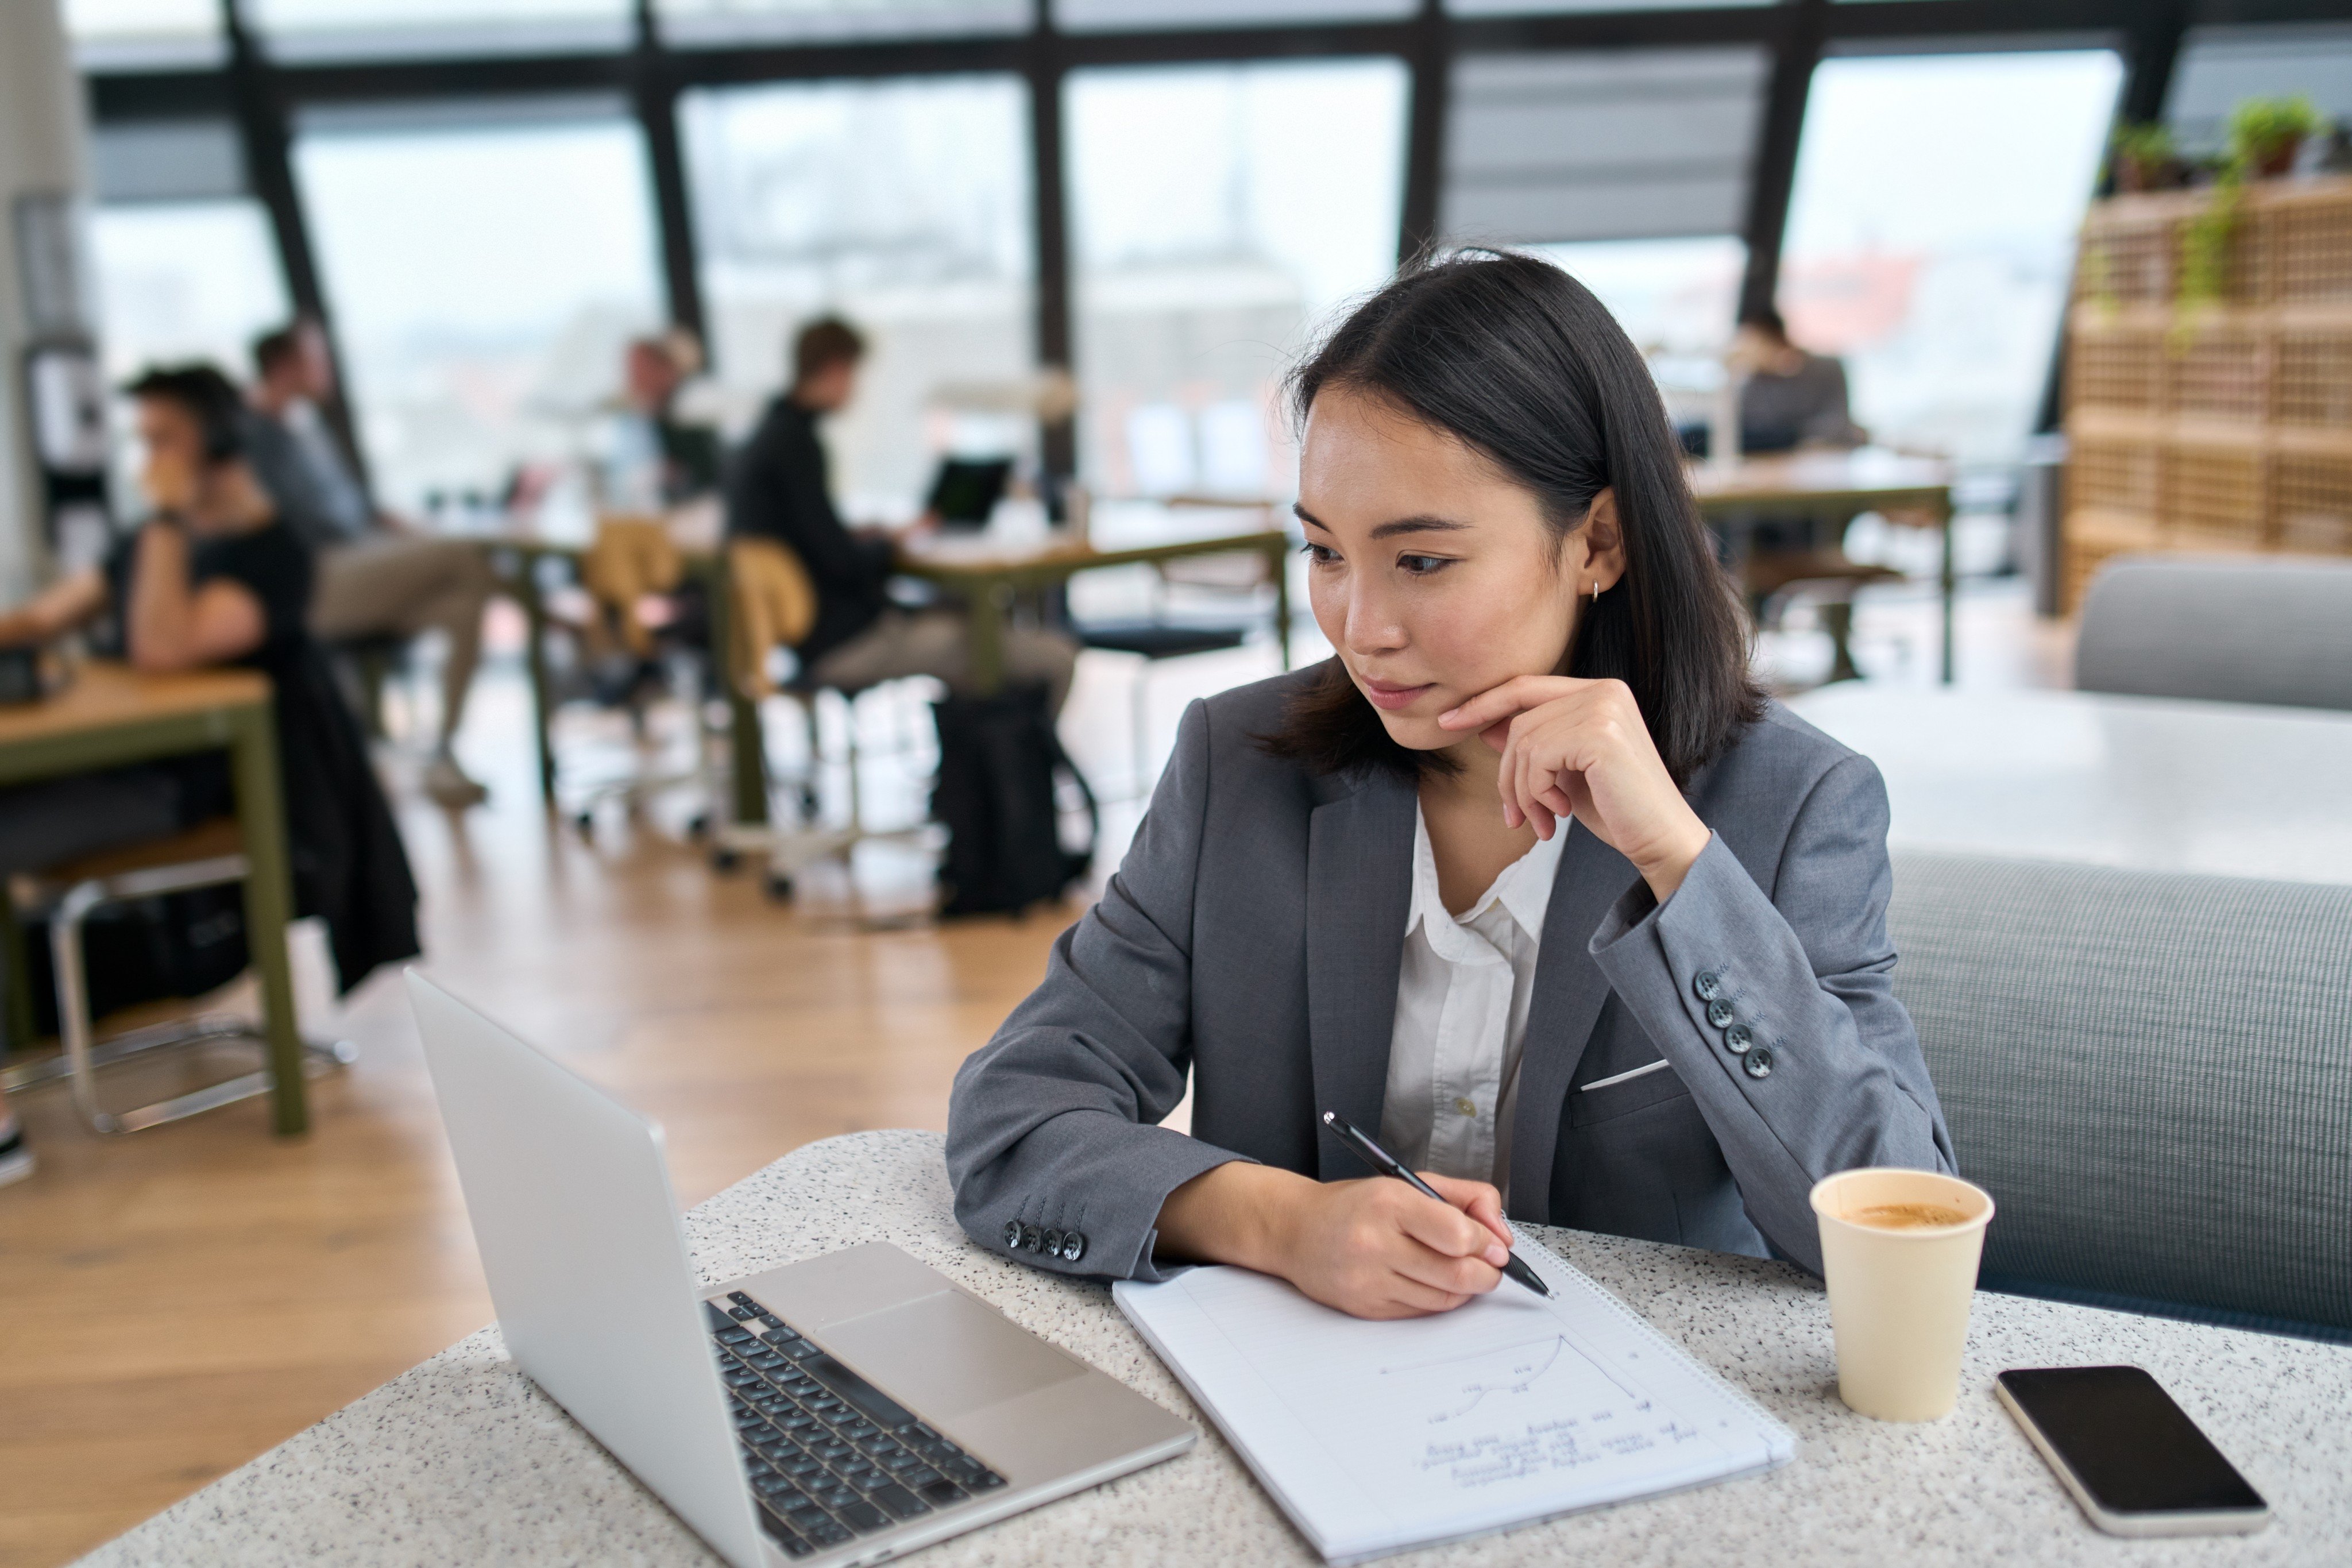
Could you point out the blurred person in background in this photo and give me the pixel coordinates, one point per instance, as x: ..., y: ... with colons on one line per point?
x: 1790, y: 398
x: 214, y: 577
x: 661, y: 457
x: 779, y: 487
x: 377, y: 575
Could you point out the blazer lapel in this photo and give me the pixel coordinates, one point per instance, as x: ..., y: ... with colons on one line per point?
x: 1568, y: 991
x: 1359, y: 895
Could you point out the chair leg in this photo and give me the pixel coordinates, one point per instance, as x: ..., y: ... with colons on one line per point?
x: 1837, y: 619
x: 1140, y: 706
x: 16, y: 975
x: 849, y: 755
x: 73, y: 999
x: 74, y: 1028
x: 812, y: 802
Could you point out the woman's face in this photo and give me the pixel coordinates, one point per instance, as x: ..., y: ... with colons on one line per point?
x: 1432, y: 574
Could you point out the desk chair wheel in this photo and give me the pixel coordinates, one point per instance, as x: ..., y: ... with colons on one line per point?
x: 698, y: 827
x: 726, y: 861
x: 778, y: 887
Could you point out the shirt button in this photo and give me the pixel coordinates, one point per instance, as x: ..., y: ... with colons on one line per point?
x: 1720, y: 1012
x: 1757, y: 1062
x: 1466, y: 1106
x: 1738, y: 1038
x: 1709, y: 985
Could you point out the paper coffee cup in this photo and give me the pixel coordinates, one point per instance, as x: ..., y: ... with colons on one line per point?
x: 1899, y: 1285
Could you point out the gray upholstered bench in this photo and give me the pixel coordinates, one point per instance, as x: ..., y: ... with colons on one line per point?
x: 2151, y: 1073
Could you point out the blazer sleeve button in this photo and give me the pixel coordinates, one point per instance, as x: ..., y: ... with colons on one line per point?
x: 1709, y: 985
x: 1719, y: 1013
x: 1757, y: 1062
x: 1053, y: 1243
x: 1074, y: 1245
x: 1738, y: 1038
x: 1031, y: 1238
x: 1012, y: 1235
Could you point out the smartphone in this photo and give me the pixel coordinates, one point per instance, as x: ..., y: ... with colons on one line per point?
x: 2132, y: 1458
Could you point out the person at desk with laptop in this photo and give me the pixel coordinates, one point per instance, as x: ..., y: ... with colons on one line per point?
x: 214, y: 577
x: 778, y: 487
x: 1528, y: 876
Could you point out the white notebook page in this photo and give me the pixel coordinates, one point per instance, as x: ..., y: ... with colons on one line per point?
x: 1377, y: 1437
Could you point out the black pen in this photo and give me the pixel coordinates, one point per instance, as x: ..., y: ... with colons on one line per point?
x: 1387, y: 1165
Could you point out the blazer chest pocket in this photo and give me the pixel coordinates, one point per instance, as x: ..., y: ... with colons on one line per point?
x: 1623, y: 1093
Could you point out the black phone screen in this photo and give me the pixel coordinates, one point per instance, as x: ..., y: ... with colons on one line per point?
x: 2130, y: 1446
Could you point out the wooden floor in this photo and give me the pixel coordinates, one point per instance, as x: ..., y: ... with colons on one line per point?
x: 174, y: 1303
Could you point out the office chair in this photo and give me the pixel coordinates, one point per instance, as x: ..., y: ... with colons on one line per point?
x: 210, y: 855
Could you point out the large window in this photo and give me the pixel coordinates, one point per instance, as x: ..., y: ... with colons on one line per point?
x: 1932, y: 232
x: 144, y: 35
x: 1628, y: 145
x: 185, y: 280
x: 2219, y: 66
x: 712, y: 22
x: 1121, y: 16
x: 1673, y: 297
x: 329, y: 29
x: 1219, y: 214
x: 483, y: 274
x: 904, y: 206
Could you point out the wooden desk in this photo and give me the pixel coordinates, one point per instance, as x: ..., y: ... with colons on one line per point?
x: 463, y: 1460
x: 112, y: 715
x: 983, y: 573
x: 986, y: 575
x: 2225, y: 788
x: 1839, y: 487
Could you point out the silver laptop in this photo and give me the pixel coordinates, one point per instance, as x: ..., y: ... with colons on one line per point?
x: 843, y: 1410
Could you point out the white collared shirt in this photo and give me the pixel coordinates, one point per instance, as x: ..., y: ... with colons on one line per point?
x: 1462, y: 1016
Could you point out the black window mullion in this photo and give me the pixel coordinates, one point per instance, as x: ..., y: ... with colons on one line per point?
x: 654, y: 92
x: 1431, y: 61
x: 263, y: 129
x: 1796, y: 50
x: 1046, y: 70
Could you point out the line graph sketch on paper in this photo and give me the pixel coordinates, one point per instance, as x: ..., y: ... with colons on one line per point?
x: 1461, y: 1383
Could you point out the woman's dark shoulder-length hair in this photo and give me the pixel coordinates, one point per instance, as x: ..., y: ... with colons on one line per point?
x: 1515, y: 357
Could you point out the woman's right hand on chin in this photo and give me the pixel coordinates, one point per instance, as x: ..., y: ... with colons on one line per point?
x: 1373, y: 1249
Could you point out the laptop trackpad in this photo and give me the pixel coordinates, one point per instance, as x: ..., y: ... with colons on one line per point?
x: 946, y: 1354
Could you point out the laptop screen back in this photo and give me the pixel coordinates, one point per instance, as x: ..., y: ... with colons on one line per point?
x: 579, y: 1234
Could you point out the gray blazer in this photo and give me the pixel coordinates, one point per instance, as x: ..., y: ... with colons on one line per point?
x: 1254, y: 934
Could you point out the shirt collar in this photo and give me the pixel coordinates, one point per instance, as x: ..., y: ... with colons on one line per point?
x: 1524, y: 888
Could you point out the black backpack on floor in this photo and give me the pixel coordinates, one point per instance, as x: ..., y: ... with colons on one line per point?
x: 1003, y: 777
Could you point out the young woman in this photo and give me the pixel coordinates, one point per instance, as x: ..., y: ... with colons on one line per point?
x: 214, y: 578
x: 1527, y: 875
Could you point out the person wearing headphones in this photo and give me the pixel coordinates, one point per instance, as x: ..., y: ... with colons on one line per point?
x: 214, y: 578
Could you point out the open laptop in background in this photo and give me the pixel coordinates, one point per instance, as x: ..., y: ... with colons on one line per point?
x: 965, y: 491
x: 841, y: 1410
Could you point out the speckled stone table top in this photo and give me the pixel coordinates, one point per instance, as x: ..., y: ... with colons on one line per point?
x: 462, y: 1460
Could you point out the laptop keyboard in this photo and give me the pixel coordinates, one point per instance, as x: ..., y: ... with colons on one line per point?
x: 830, y: 1456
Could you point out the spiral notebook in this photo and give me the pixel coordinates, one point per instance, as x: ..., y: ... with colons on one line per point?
x: 1380, y: 1436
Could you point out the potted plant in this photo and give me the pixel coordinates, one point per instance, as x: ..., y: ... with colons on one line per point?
x: 2265, y: 134
x: 2143, y: 157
